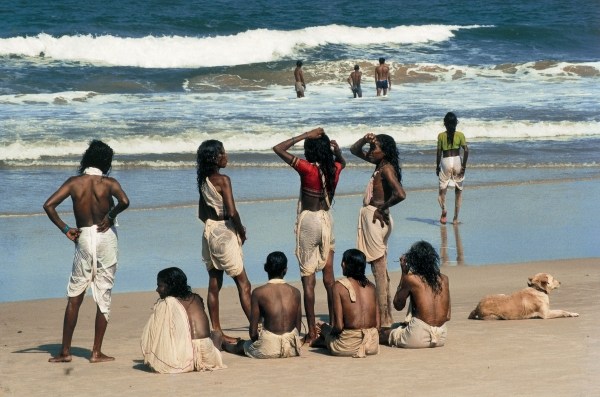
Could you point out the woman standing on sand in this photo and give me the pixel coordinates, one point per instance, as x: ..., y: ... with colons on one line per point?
x: 450, y: 167
x: 224, y: 233
x: 315, y: 242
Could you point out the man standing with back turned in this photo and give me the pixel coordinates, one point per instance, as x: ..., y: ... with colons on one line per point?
x: 382, y: 78
x: 95, y: 239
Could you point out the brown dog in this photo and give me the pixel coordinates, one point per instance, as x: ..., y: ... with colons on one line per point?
x: 531, y: 302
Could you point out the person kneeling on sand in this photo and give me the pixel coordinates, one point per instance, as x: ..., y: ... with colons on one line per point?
x: 278, y: 303
x: 429, y: 308
x: 355, y: 327
x: 177, y: 336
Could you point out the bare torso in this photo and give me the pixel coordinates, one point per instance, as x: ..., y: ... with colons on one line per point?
x: 299, y: 75
x: 385, y: 184
x: 279, y: 306
x: 362, y: 314
x: 355, y: 77
x: 199, y: 324
x: 434, y: 309
x: 382, y: 72
x: 92, y: 197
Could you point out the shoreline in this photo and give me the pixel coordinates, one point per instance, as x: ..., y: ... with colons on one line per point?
x: 555, y: 357
x: 500, y: 224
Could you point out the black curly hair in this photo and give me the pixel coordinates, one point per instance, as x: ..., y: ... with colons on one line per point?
x: 319, y: 151
x: 390, y: 151
x: 98, y: 155
x: 176, y: 280
x: 206, y: 159
x: 355, y: 265
x: 423, y: 261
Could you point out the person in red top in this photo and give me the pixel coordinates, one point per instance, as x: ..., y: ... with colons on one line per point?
x: 315, y: 242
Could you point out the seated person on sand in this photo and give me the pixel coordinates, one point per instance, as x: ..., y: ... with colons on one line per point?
x: 177, y: 336
x: 355, y: 330
x: 278, y: 304
x: 429, y: 308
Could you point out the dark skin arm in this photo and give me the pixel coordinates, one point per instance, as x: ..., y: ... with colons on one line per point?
x: 390, y: 180
x: 281, y: 149
x: 393, y: 190
x: 92, y: 202
x: 434, y: 309
x: 223, y: 185
x: 254, y: 317
x: 338, y: 310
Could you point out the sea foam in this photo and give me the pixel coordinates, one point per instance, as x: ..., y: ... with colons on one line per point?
x: 252, y: 46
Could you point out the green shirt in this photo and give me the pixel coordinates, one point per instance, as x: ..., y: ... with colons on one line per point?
x: 459, y: 141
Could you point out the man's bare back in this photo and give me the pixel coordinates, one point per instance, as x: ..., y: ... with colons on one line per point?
x: 434, y: 309
x: 361, y: 314
x: 279, y: 306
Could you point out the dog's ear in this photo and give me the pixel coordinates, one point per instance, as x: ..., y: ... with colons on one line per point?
x: 544, y: 282
x: 529, y: 281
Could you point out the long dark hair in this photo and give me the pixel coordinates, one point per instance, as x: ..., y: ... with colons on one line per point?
x: 355, y: 265
x: 450, y: 122
x: 319, y: 151
x: 423, y: 261
x: 390, y: 152
x: 98, y: 155
x: 206, y: 159
x: 176, y: 281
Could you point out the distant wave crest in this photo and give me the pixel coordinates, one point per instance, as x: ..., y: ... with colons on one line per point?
x: 252, y: 46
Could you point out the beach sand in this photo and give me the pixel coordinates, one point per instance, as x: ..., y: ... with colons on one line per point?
x: 559, y: 357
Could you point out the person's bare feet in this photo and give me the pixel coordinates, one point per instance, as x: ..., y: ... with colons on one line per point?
x: 443, y: 219
x: 455, y: 221
x: 100, y: 358
x: 61, y: 358
x: 217, y: 339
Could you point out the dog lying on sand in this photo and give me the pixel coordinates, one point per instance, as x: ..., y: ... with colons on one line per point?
x: 531, y: 302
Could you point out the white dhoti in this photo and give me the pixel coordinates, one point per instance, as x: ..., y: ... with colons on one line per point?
x: 167, y: 343
x: 357, y: 343
x: 222, y: 247
x: 95, y: 263
x: 418, y: 334
x: 314, y: 240
x: 371, y: 238
x: 270, y: 345
x: 450, y: 168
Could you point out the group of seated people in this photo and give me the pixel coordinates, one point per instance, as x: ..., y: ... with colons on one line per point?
x: 177, y: 337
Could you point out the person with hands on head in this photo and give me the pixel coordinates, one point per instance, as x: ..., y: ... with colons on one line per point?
x: 375, y: 224
x: 429, y: 293
x: 95, y: 238
x: 223, y: 234
x: 315, y: 242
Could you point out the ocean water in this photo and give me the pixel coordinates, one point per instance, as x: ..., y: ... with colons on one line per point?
x: 154, y: 79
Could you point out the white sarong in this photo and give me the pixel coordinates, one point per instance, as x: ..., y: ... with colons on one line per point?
x: 167, y: 344
x: 450, y: 168
x: 314, y: 240
x: 95, y: 263
x: 221, y: 245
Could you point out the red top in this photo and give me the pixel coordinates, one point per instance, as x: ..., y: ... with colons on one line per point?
x: 310, y: 179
